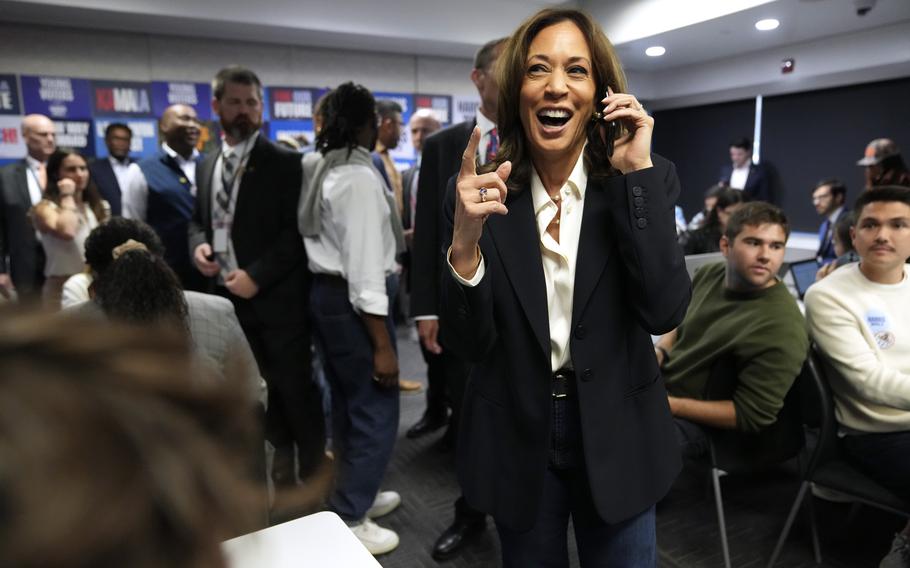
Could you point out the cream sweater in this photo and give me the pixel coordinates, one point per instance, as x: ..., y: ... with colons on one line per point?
x: 864, y: 329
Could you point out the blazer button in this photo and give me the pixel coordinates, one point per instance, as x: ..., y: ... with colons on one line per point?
x: 638, y: 201
x: 642, y: 223
x: 636, y: 191
x: 580, y: 332
x: 639, y: 212
x: 587, y: 375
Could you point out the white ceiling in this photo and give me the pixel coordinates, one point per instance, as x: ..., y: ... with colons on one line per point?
x: 693, y: 31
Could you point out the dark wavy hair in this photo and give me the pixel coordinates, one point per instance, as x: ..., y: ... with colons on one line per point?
x: 753, y: 214
x: 725, y: 197
x: 91, y: 195
x: 346, y: 110
x: 138, y: 286
x: 607, y: 71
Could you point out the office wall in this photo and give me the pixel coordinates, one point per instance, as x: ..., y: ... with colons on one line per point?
x: 45, y: 50
x: 805, y: 137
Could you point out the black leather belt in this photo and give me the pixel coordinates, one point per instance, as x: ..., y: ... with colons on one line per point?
x: 330, y: 280
x: 563, y: 383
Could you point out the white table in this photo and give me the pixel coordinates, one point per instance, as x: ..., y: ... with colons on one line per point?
x: 317, y: 540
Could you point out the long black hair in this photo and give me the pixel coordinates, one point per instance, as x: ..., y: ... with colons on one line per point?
x: 135, y: 285
x: 90, y: 195
x: 345, y: 111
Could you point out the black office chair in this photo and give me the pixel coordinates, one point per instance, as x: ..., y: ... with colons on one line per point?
x: 735, y: 452
x: 825, y: 466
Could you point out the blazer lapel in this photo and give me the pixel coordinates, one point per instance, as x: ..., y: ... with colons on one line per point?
x: 593, y: 248
x: 515, y: 237
x: 204, y: 174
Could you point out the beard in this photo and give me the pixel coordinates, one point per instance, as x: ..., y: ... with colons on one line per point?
x: 241, y: 127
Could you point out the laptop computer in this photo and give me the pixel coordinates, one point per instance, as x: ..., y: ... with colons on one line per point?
x: 803, y: 275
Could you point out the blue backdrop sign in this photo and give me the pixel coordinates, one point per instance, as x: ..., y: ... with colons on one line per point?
x: 76, y: 135
x: 441, y: 105
x: 56, y: 97
x: 196, y: 95
x: 291, y: 103
x: 9, y: 95
x: 145, y: 136
x: 403, y: 155
x: 121, y: 99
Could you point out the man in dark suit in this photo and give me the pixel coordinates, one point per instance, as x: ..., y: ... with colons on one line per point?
x: 753, y: 179
x: 111, y: 174
x: 440, y: 160
x: 21, y: 186
x: 243, y: 236
x: 163, y: 192
x: 828, y: 197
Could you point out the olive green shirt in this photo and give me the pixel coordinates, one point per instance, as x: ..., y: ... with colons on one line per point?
x: 762, y: 331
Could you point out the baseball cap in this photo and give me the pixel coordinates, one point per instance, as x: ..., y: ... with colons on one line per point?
x: 878, y: 150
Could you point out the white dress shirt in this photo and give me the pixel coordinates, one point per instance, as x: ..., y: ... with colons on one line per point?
x: 134, y: 187
x: 559, y: 259
x: 34, y: 190
x: 122, y: 171
x: 739, y: 176
x: 356, y: 242
x: 486, y: 126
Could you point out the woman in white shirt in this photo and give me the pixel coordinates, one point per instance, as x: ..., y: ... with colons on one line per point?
x: 70, y: 209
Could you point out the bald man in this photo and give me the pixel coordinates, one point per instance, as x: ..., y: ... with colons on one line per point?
x: 163, y: 193
x: 21, y: 186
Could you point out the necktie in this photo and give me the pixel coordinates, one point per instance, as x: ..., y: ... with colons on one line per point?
x: 42, y: 176
x: 493, y: 146
x: 228, y: 175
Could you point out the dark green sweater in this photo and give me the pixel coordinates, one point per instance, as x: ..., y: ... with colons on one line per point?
x: 762, y: 330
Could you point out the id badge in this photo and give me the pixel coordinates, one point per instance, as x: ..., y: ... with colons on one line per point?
x: 220, y: 238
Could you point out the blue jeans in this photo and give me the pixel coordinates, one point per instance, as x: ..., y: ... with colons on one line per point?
x: 628, y: 544
x: 364, y: 414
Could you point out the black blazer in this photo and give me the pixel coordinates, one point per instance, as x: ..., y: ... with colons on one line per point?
x: 103, y: 174
x: 441, y: 160
x: 630, y: 281
x: 17, y: 234
x: 264, y: 234
x: 758, y: 184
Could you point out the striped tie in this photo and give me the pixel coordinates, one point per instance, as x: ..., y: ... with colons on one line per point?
x: 228, y: 174
x: 493, y: 146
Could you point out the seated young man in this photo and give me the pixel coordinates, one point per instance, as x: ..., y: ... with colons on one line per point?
x: 860, y: 318
x: 742, y: 313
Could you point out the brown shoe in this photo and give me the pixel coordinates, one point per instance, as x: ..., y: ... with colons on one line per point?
x: 409, y: 386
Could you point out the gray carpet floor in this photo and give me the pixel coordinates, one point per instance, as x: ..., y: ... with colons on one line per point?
x: 687, y: 535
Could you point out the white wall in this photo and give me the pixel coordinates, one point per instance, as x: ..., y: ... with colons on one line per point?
x: 39, y: 50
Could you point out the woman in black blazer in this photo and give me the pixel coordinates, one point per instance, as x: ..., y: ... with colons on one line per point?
x: 563, y: 260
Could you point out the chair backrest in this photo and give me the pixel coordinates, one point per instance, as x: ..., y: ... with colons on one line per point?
x: 736, y: 451
x: 817, y: 404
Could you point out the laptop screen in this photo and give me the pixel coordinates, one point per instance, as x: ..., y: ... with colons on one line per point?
x: 804, y: 275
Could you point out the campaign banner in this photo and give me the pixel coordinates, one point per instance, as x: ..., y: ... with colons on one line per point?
x: 441, y: 105
x: 122, y: 99
x: 56, y: 97
x: 196, y: 95
x: 145, y: 136
x: 292, y: 129
x: 76, y: 135
x: 403, y: 155
x: 9, y: 95
x: 464, y: 108
x: 12, y: 146
x: 291, y: 103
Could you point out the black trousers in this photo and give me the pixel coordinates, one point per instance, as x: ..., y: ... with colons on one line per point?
x: 294, y: 415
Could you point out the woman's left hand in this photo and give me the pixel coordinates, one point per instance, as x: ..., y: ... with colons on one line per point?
x: 632, y: 151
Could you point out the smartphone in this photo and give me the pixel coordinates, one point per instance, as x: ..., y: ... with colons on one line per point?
x: 610, y: 133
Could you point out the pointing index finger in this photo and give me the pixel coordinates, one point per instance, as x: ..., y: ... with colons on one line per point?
x: 469, y: 158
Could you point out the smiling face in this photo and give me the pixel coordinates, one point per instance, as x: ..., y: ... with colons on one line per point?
x: 557, y: 93
x: 881, y: 238
x: 755, y: 256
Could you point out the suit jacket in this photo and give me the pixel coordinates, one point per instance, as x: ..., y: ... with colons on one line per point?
x: 825, y: 251
x: 17, y: 234
x: 169, y: 209
x: 758, y: 184
x: 630, y: 281
x: 407, y: 181
x: 103, y: 174
x: 264, y: 233
x: 441, y: 160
